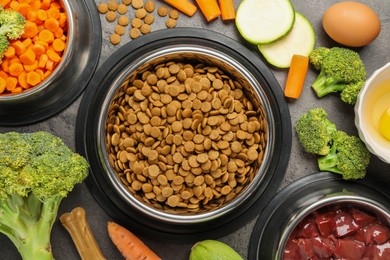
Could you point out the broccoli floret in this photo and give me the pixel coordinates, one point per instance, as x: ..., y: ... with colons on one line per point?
x: 317, y: 55
x: 12, y: 26
x: 37, y: 170
x: 341, y: 69
x: 315, y: 131
x: 348, y: 156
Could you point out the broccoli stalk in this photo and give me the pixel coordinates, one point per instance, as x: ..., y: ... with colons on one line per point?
x: 341, y: 70
x: 37, y: 170
x: 12, y: 26
x: 348, y: 156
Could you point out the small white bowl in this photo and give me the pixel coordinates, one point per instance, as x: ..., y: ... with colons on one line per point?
x: 369, y: 107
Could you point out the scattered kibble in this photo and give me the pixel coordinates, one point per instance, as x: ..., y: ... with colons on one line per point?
x: 145, y: 28
x: 149, y: 19
x: 174, y: 14
x: 103, y: 8
x: 162, y: 11
x: 120, y: 30
x: 140, y: 13
x: 110, y: 16
x: 134, y: 33
x: 112, y: 5
x: 136, y: 23
x: 115, y: 38
x: 122, y: 9
x: 150, y: 6
x: 123, y: 20
x: 126, y: 2
x: 171, y: 23
x: 137, y: 4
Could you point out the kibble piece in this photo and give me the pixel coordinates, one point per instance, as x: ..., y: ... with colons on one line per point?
x: 145, y: 28
x: 137, y: 4
x: 103, y: 8
x: 149, y: 19
x: 136, y: 23
x: 162, y: 11
x: 126, y: 2
x: 110, y: 16
x: 170, y: 23
x: 173, y: 13
x: 122, y: 9
x: 150, y: 6
x: 112, y: 5
x: 134, y: 33
x: 120, y: 30
x: 123, y: 20
x: 140, y: 13
x: 115, y: 38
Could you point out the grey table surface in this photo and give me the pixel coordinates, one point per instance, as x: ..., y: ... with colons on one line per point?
x: 300, y: 164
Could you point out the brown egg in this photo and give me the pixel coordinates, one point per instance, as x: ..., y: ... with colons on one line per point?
x: 351, y: 24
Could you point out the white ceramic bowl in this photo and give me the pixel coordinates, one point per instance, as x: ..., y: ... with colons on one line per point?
x: 366, y: 119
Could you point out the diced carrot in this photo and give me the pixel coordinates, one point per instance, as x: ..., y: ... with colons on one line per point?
x: 46, y: 36
x: 5, y: 65
x: 41, y: 73
x: 39, y: 48
x: 52, y: 24
x: 33, y: 78
x: 14, y: 60
x: 31, y: 16
x: 50, y: 65
x: 17, y: 90
x: 42, y: 61
x: 183, y: 6
x: 23, y: 8
x: 12, y: 82
x: 53, y: 13
x: 22, y: 79
x: 45, y: 4
x: 15, y: 69
x: 41, y: 15
x: 58, y: 45
x: 228, y: 12
x: 46, y: 74
x: 3, y: 74
x: 28, y: 57
x: 62, y: 19
x: 26, y: 43
x: 59, y: 33
x: 209, y: 8
x: 18, y: 46
x: 10, y: 52
x: 55, y: 5
x: 53, y: 55
x: 4, y: 2
x: 3, y: 85
x: 30, y: 30
x: 35, y: 5
x: 31, y: 67
x: 14, y: 5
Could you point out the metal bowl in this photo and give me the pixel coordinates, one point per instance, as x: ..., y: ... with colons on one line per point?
x: 177, y: 45
x: 68, y: 80
x: 306, y: 195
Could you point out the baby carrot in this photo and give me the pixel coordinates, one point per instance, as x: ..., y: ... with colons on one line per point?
x: 228, y: 12
x: 209, y: 8
x: 296, y: 76
x: 183, y: 6
x: 128, y: 244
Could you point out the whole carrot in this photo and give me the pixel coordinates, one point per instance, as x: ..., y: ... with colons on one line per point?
x: 296, y: 76
x: 131, y: 247
x: 209, y: 8
x: 183, y: 6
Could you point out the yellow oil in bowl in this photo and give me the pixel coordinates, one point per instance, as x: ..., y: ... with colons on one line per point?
x: 376, y: 114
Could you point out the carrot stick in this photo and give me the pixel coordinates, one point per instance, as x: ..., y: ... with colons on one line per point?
x: 209, y: 8
x: 228, y: 12
x: 296, y: 76
x: 131, y: 247
x: 183, y: 6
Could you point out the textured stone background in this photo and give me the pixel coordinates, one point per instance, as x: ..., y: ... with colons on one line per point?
x: 374, y: 56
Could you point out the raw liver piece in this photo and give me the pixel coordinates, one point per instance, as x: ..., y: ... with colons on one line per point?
x: 325, y: 223
x: 349, y: 249
x: 345, y: 224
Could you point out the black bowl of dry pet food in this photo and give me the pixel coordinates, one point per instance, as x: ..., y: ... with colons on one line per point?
x: 187, y: 133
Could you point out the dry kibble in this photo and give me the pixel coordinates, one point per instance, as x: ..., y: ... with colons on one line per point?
x: 145, y: 28
x: 123, y: 20
x: 122, y: 9
x: 162, y: 11
x: 103, y: 8
x: 110, y: 16
x: 140, y: 13
x: 170, y: 23
x: 115, y: 38
x: 149, y: 19
x: 173, y: 13
x: 134, y: 33
x: 126, y: 2
x: 120, y: 30
x: 137, y: 4
x: 183, y: 138
x: 112, y: 5
x: 136, y: 23
x: 150, y: 6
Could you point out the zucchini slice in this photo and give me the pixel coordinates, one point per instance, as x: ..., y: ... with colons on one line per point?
x: 300, y: 40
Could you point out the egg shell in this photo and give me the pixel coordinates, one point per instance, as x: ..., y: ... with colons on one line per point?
x: 351, y: 24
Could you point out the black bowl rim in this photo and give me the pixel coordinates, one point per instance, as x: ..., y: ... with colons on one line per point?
x: 87, y: 119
